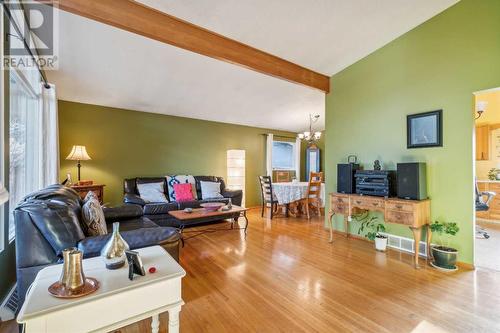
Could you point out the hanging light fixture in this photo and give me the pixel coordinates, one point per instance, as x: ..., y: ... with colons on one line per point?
x: 480, y: 108
x: 311, y: 136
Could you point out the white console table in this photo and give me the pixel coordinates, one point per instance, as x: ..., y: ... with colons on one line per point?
x: 117, y: 303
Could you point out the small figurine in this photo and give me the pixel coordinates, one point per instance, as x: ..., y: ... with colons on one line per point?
x: 376, y: 165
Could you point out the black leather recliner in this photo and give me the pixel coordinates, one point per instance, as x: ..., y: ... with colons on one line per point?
x: 48, y: 221
x: 158, y: 212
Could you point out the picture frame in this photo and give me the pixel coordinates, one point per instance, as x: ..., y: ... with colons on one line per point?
x: 135, y: 265
x: 424, y: 130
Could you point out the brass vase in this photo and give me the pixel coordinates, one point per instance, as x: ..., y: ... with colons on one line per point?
x: 113, y: 253
x: 73, y: 282
x: 72, y: 276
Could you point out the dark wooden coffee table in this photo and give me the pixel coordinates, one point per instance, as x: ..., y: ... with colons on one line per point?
x: 198, y: 215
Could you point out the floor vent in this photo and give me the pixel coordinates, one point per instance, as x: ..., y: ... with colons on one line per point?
x: 9, y: 305
x: 405, y: 244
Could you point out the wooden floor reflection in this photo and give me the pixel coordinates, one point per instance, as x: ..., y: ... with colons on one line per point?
x: 287, y: 277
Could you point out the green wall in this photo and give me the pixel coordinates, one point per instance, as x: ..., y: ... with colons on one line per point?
x: 437, y: 65
x: 124, y: 143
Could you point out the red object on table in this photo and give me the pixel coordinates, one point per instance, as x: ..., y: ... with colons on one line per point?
x: 152, y: 270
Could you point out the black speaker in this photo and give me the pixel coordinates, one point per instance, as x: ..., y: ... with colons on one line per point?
x: 412, y: 181
x: 345, y: 178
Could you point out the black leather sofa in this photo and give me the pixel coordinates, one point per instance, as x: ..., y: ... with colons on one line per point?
x: 158, y: 212
x: 48, y: 221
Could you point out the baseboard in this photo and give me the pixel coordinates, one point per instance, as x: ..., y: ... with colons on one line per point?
x: 460, y: 264
x: 466, y: 266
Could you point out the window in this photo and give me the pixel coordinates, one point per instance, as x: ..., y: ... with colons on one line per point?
x: 24, y: 138
x: 283, y: 155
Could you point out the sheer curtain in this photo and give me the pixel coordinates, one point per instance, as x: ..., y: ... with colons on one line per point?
x: 269, y: 154
x: 298, y: 143
x: 49, y: 132
x: 33, y: 138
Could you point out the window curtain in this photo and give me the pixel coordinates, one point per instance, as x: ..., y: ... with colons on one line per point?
x: 49, y: 132
x: 298, y: 143
x: 269, y: 154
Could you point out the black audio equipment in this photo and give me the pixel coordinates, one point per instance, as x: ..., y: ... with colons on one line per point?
x: 345, y: 178
x: 412, y: 181
x: 381, y: 183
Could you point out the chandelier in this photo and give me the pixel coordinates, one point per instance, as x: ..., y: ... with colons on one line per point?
x: 311, y: 136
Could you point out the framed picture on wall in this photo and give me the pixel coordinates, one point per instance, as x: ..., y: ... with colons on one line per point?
x: 424, y: 130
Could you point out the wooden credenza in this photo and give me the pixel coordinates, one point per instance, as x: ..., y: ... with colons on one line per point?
x: 411, y: 213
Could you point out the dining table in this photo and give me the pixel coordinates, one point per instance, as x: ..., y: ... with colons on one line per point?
x: 288, y: 193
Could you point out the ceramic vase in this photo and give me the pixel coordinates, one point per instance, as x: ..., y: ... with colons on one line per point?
x: 113, y: 253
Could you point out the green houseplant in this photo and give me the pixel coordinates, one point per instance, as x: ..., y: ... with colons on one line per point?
x: 373, y: 228
x: 445, y: 257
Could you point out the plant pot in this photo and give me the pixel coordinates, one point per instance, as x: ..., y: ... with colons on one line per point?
x: 445, y: 258
x: 381, y: 243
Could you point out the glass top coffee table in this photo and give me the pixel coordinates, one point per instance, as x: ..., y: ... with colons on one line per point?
x: 200, y: 216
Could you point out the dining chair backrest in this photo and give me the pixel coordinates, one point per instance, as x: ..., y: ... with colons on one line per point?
x: 314, y: 186
x: 266, y: 187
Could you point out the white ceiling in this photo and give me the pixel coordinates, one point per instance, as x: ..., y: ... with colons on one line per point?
x: 107, y: 66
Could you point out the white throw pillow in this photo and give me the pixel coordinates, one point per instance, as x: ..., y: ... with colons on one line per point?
x: 94, y: 223
x: 210, y: 190
x: 152, y: 192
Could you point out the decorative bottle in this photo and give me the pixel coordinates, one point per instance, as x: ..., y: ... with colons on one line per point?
x: 113, y: 253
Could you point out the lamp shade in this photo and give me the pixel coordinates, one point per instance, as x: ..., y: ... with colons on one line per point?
x: 236, y: 171
x: 78, y: 153
x: 4, y: 195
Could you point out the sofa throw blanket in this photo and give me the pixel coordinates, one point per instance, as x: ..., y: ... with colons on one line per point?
x: 180, y: 179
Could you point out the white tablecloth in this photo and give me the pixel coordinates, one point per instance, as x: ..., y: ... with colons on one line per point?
x: 289, y: 192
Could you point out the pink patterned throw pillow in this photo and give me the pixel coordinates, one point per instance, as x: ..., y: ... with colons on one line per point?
x: 183, y: 192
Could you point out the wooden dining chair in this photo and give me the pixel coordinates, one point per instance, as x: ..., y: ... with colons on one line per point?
x: 313, y: 198
x: 266, y: 188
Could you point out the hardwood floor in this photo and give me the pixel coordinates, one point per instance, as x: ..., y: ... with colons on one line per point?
x: 286, y: 277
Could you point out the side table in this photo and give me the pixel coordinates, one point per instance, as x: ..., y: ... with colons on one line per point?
x: 82, y: 190
x: 117, y: 303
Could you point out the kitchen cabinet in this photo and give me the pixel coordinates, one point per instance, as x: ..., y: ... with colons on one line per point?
x: 482, y: 143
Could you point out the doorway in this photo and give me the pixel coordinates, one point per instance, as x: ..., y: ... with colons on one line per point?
x: 487, y: 176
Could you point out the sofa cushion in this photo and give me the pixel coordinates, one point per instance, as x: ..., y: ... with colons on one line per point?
x: 199, y: 179
x: 183, y: 192
x: 210, y: 190
x: 152, y: 192
x: 134, y: 224
x: 93, y: 221
x: 136, y: 239
x: 120, y: 213
x: 190, y: 204
x: 160, y: 208
x: 180, y: 179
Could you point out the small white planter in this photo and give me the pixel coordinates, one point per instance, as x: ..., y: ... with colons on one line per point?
x: 380, y: 244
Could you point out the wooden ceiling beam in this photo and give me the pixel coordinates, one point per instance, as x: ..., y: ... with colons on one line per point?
x: 137, y: 18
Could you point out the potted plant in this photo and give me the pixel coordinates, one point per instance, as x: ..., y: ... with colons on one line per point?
x: 374, y: 229
x: 445, y: 257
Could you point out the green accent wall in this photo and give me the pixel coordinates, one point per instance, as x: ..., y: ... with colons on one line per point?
x: 125, y: 144
x: 437, y: 65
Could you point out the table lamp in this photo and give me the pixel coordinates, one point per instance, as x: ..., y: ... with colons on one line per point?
x: 78, y: 153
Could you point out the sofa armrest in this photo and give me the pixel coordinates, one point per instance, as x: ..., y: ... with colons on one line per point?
x: 235, y: 195
x: 125, y: 212
x: 133, y: 199
x: 136, y: 239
